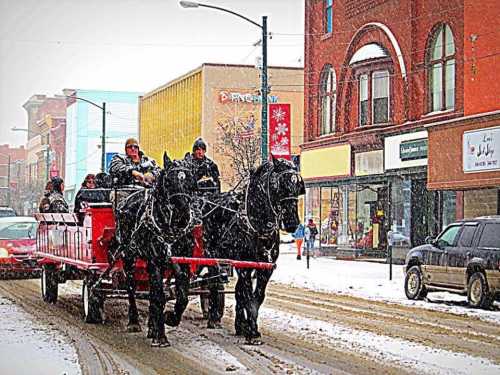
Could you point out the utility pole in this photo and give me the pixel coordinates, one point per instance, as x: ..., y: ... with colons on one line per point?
x: 264, y: 90
x: 8, y: 180
x: 103, y: 139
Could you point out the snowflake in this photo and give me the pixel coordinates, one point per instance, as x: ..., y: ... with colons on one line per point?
x: 282, y: 129
x: 279, y: 114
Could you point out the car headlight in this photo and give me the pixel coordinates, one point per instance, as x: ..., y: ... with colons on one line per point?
x: 4, y: 253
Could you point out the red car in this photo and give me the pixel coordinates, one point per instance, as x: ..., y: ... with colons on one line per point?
x: 17, y: 244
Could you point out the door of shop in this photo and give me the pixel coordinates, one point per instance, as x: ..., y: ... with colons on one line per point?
x: 420, y: 212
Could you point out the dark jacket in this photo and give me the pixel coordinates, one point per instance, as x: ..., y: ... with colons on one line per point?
x: 122, y: 166
x: 53, y: 202
x: 206, y: 174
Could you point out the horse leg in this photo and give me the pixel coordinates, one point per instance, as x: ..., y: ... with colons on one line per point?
x: 215, y: 299
x: 246, y: 307
x: 133, y: 315
x: 259, y: 294
x: 239, y: 319
x: 173, y: 318
x: 157, y: 305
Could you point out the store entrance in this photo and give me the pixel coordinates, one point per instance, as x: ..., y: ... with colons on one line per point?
x: 421, y: 206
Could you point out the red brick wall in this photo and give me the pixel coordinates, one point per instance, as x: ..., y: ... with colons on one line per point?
x: 58, y: 143
x: 411, y: 23
x: 482, y: 56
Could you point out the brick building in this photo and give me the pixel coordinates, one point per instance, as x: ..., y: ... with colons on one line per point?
x: 12, y: 181
x: 380, y: 76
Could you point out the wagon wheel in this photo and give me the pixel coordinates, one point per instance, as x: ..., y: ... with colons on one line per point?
x: 93, y: 302
x: 49, y: 285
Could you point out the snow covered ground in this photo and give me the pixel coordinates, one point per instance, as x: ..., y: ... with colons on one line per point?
x: 28, y: 347
x: 366, y: 280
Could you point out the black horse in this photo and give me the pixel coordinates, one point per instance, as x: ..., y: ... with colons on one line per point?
x: 155, y: 224
x: 246, y: 227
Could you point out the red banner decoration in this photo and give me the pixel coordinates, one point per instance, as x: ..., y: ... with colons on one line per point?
x: 279, y: 130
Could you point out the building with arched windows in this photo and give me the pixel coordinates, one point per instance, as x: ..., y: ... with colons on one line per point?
x: 386, y: 84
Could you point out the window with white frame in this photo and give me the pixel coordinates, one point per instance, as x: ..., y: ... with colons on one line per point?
x: 328, y: 16
x: 442, y: 70
x: 374, y: 98
x: 328, y: 96
x: 380, y: 97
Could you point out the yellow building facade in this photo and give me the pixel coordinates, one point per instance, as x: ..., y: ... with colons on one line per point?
x: 197, y: 103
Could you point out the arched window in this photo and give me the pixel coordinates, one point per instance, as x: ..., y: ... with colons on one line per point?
x: 328, y: 98
x: 442, y: 70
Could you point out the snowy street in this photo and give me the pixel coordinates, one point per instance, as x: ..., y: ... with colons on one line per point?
x: 336, y: 317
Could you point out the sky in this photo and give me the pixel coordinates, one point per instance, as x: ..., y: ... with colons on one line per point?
x: 128, y: 45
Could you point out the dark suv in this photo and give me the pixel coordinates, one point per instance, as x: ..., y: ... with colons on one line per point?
x: 464, y: 259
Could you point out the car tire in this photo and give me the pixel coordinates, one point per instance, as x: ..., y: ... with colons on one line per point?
x: 49, y: 284
x: 478, y: 294
x: 414, y: 285
x: 93, y: 304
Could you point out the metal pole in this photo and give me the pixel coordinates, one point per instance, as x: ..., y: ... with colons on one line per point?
x: 103, y: 139
x: 47, y: 163
x: 8, y: 181
x: 264, y: 89
x: 390, y: 262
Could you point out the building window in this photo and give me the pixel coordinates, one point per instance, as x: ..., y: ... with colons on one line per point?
x: 374, y: 98
x: 363, y: 99
x: 442, y: 70
x: 328, y: 16
x: 328, y: 96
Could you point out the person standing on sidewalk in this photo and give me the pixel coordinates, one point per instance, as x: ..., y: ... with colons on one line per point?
x: 298, y: 235
x: 310, y: 234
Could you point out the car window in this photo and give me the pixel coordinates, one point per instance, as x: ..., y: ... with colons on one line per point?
x: 18, y: 231
x: 448, y: 237
x: 490, y: 236
x: 7, y: 213
x: 467, y: 235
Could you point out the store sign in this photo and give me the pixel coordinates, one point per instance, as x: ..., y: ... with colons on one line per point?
x: 481, y: 150
x: 368, y: 163
x: 279, y: 130
x: 413, y: 150
x: 407, y: 150
x: 226, y: 97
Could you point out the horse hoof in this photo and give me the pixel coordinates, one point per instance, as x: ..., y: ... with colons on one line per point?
x: 171, y: 319
x: 160, y: 342
x: 134, y: 328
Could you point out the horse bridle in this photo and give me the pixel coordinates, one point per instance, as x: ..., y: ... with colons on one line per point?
x: 267, y: 191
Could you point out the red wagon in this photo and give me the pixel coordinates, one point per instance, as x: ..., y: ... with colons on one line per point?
x: 69, y: 250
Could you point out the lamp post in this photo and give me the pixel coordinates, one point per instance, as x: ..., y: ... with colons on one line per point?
x: 103, y: 136
x: 264, y: 88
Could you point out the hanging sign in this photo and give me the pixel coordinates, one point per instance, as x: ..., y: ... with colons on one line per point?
x: 279, y: 130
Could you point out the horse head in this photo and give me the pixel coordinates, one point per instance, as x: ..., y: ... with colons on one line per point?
x: 279, y: 185
x: 175, y: 187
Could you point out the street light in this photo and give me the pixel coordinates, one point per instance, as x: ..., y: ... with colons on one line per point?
x: 103, y: 137
x: 264, y: 88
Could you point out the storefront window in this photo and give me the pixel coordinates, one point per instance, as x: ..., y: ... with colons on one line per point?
x: 312, y: 203
x: 449, y: 207
x: 401, y: 212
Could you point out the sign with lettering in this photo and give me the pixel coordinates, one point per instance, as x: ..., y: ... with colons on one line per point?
x: 481, y: 150
x: 414, y: 149
x: 238, y: 97
x: 279, y: 130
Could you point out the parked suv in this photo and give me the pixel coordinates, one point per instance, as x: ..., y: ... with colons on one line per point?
x: 463, y: 259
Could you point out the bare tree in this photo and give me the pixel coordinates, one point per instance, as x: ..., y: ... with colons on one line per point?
x: 240, y: 144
